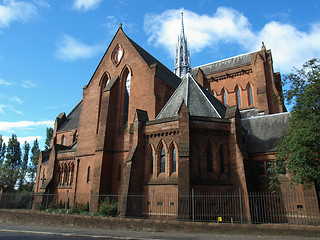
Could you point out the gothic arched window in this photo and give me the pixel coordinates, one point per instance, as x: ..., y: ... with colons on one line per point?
x: 63, y: 140
x: 151, y: 161
x: 119, y: 172
x: 224, y: 97
x: 163, y: 160
x: 209, y: 160
x: 238, y: 97
x: 174, y: 160
x: 127, y: 80
x: 88, y: 174
x: 221, y: 158
x: 196, y: 159
x: 250, y: 97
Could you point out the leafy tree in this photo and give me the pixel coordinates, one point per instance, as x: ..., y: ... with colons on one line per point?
x: 11, y: 167
x: 33, y: 166
x: 48, y: 138
x: 24, y: 165
x: 2, y: 150
x: 299, y: 147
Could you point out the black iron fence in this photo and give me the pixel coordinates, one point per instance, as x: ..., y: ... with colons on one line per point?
x: 235, y: 207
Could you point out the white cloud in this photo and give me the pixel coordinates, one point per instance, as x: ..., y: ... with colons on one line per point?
x: 202, y: 31
x: 5, y: 83
x: 42, y: 3
x: 290, y: 47
x: 71, y: 49
x: 10, y: 108
x: 15, y: 99
x: 10, y: 126
x: 85, y: 5
x: 28, y: 84
x: 29, y: 139
x: 12, y: 10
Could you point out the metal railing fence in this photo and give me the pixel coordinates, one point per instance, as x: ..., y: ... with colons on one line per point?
x: 228, y: 207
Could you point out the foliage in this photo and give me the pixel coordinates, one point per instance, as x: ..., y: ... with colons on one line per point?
x: 108, y: 208
x: 68, y: 204
x: 60, y: 204
x: 80, y: 207
x: 3, y: 149
x: 300, y: 145
x: 10, y: 168
x: 49, y: 134
x: 24, y: 165
x: 34, y: 158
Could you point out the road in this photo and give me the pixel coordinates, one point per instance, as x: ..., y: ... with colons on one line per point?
x: 42, y: 232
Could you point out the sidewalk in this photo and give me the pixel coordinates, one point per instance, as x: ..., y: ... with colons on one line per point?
x: 134, y: 235
x: 116, y: 228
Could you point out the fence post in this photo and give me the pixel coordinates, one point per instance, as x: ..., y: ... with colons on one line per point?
x: 118, y: 197
x: 152, y: 199
x: 90, y: 200
x: 192, y: 201
x: 67, y: 200
x: 240, y: 198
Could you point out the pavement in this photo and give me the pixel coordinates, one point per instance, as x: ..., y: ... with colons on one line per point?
x: 73, y: 231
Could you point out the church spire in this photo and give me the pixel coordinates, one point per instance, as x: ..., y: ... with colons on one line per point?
x: 182, y: 60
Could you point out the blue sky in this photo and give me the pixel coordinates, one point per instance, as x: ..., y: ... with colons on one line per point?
x: 50, y: 49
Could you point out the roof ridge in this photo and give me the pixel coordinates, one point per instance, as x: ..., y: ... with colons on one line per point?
x: 221, y: 60
x: 204, y: 95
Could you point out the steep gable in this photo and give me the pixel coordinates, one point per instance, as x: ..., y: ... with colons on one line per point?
x: 197, y: 99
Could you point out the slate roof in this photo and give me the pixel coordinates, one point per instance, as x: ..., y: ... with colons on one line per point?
x: 264, y: 131
x: 198, y: 100
x: 162, y: 71
x: 72, y: 121
x: 225, y: 64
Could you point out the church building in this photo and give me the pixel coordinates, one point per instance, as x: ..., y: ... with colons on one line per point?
x: 141, y: 129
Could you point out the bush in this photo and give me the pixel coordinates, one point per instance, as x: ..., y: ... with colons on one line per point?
x: 60, y: 204
x: 53, y: 205
x: 80, y: 207
x: 108, y: 208
x: 68, y: 204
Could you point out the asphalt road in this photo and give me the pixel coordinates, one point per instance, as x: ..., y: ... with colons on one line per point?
x: 42, y: 232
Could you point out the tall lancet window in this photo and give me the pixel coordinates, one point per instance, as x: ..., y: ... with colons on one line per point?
x: 250, y: 95
x: 174, y: 160
x: 209, y: 160
x: 224, y: 97
x: 238, y: 97
x: 151, y: 161
x: 126, y: 98
x: 163, y: 160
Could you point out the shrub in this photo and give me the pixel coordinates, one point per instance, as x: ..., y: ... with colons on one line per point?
x: 60, y: 204
x: 68, y: 204
x: 108, y: 208
x: 53, y: 205
x: 80, y: 207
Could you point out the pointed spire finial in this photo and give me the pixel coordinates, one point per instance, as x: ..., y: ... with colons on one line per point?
x: 263, y: 47
x: 121, y: 25
x: 182, y: 59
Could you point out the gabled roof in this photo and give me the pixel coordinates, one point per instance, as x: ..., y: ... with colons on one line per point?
x: 197, y: 99
x: 225, y: 64
x: 162, y: 71
x: 72, y: 121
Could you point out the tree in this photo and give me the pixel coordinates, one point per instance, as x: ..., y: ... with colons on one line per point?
x: 48, y: 138
x: 24, y: 165
x: 11, y: 167
x: 299, y: 147
x: 33, y: 166
x: 2, y: 151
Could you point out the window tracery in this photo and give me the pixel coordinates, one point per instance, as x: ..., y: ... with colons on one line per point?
x: 66, y: 173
